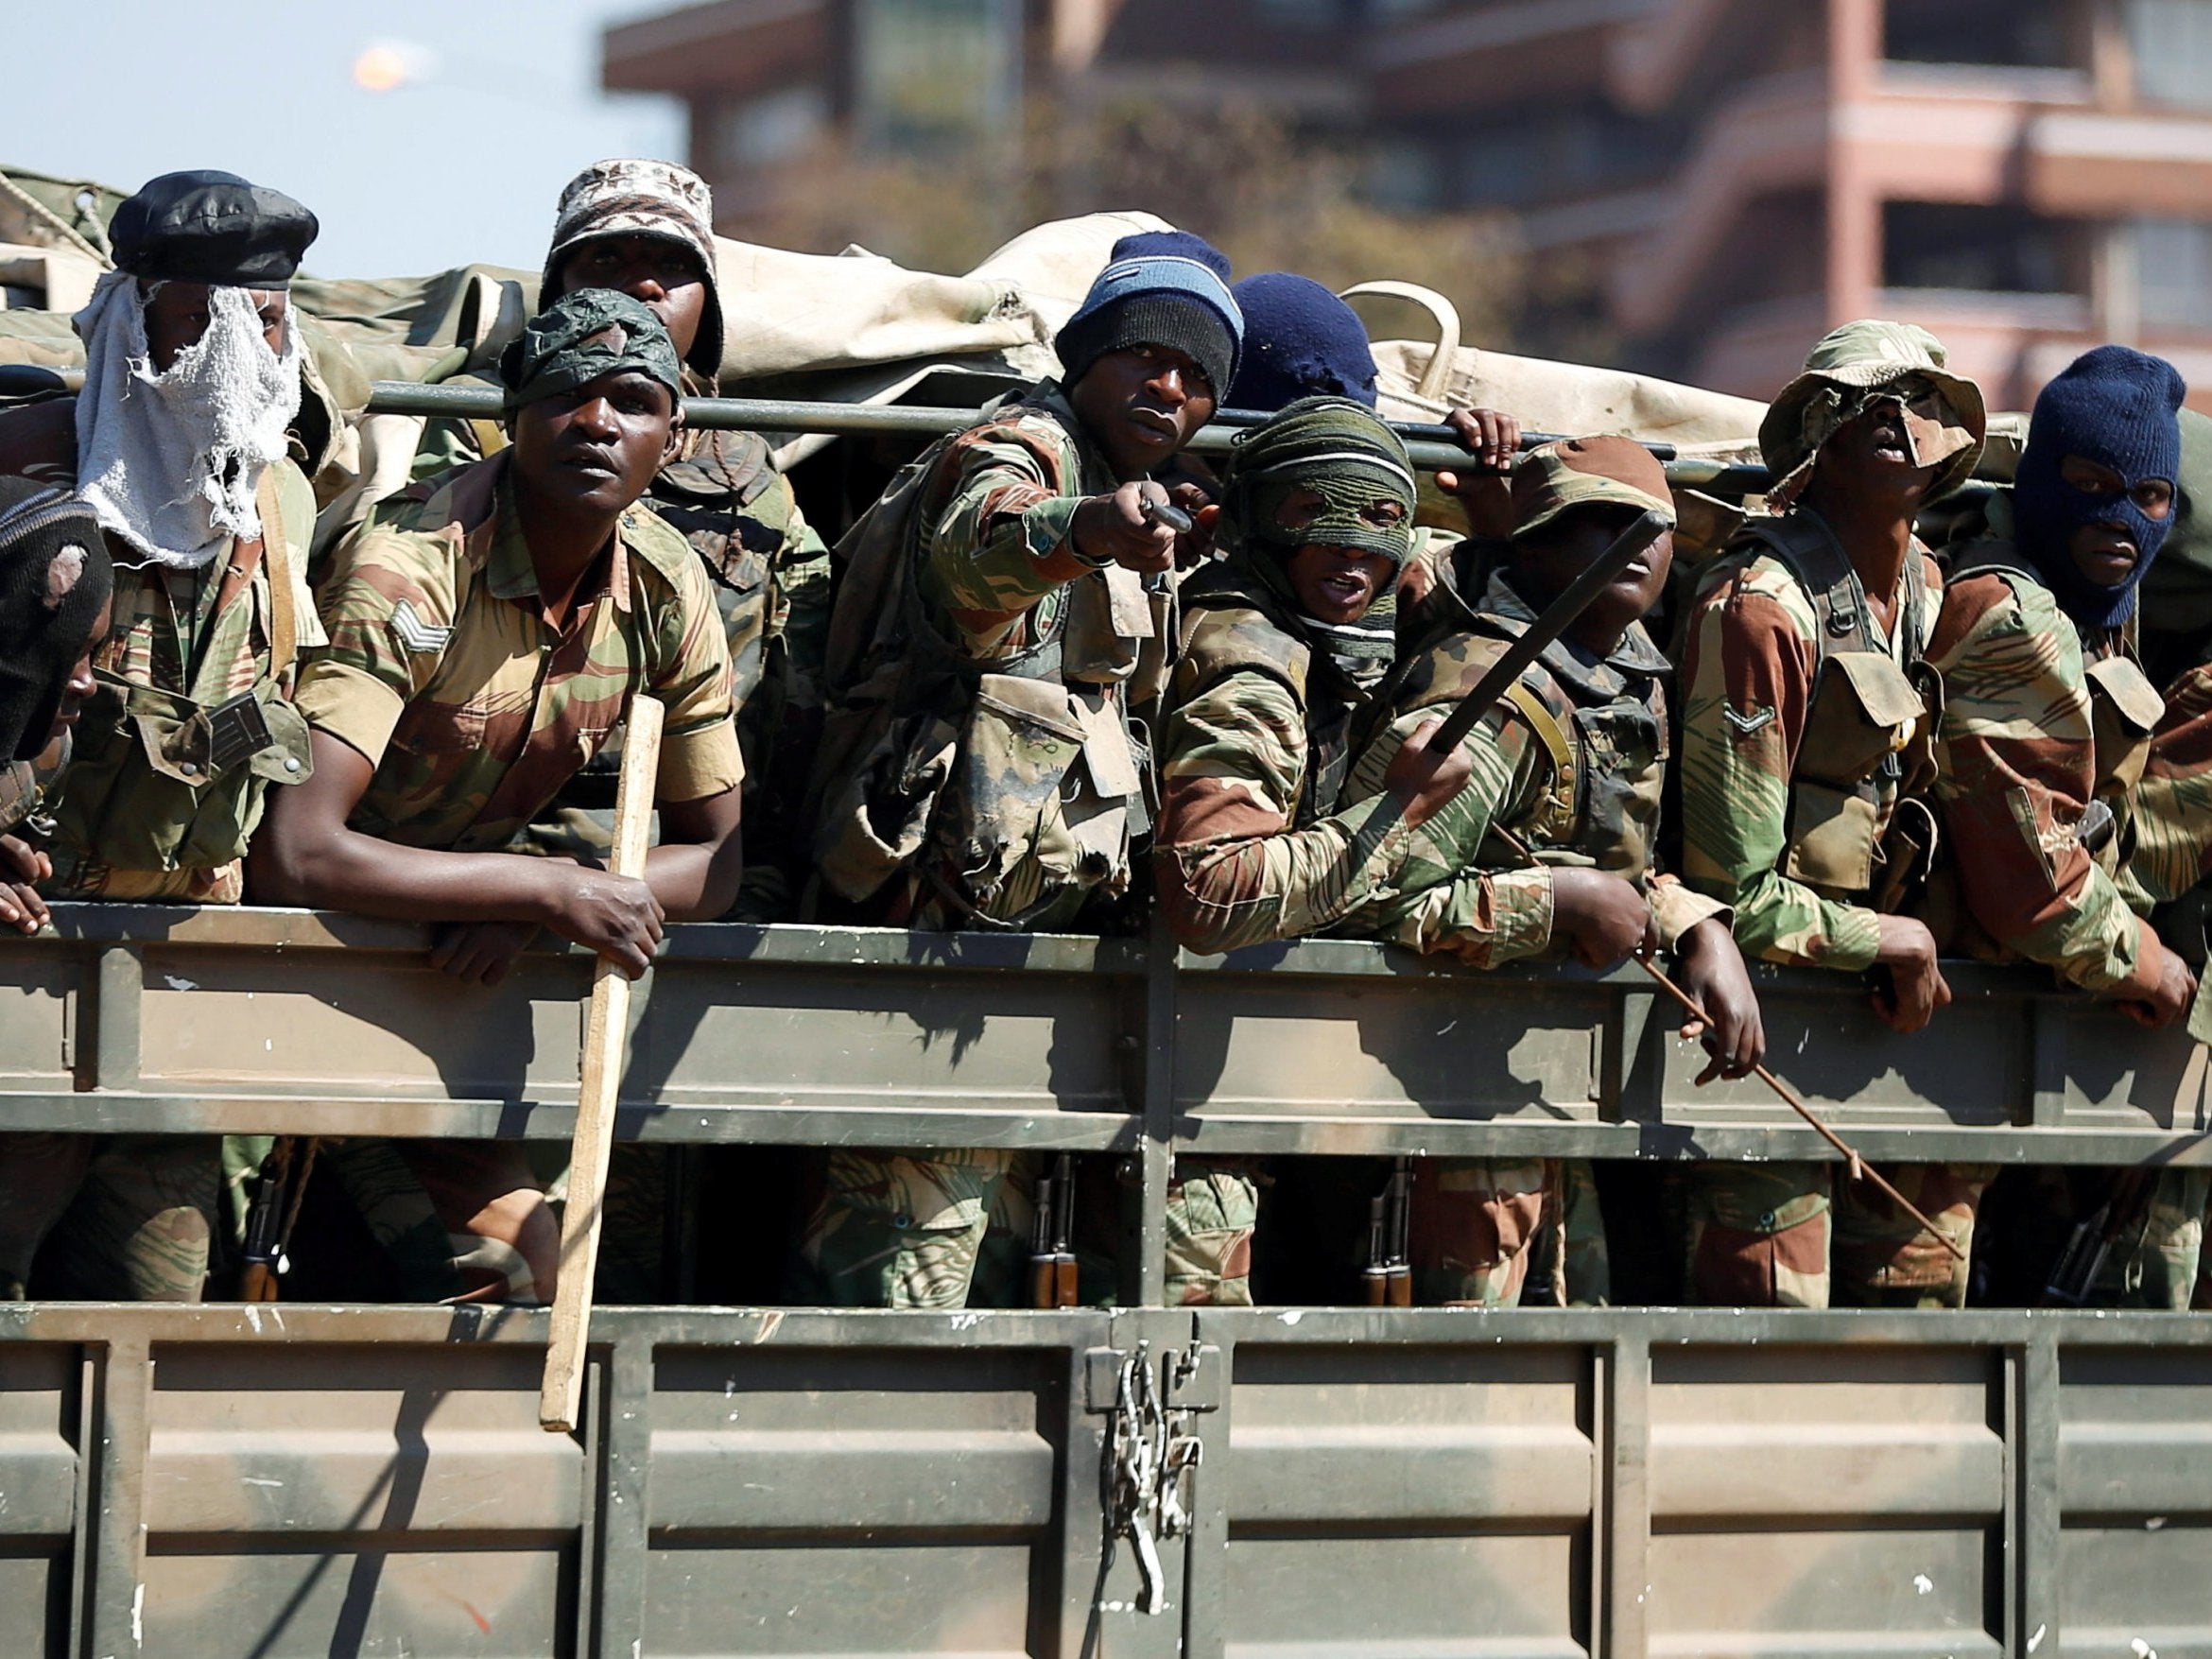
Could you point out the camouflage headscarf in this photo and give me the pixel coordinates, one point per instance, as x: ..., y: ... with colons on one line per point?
x: 1852, y: 369
x: 582, y: 335
x: 1344, y: 451
x: 1340, y: 450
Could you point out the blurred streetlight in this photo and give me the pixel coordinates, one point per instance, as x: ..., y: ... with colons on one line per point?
x: 388, y: 66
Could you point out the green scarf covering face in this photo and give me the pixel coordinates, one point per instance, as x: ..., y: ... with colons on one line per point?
x: 582, y: 335
x: 1342, y: 452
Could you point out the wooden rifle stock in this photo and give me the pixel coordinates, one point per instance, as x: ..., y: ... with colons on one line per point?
x: 1053, y: 1264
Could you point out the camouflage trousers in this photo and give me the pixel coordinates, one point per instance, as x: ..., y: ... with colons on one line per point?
x: 2161, y: 1264
x: 416, y: 1198
x: 121, y: 1217
x: 1213, y: 1208
x: 952, y: 1229
x: 1783, y: 1235
x: 1481, y: 1227
x: 914, y: 1229
x: 2167, y: 1269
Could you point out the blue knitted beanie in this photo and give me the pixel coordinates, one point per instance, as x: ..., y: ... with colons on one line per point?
x: 2116, y: 406
x: 1299, y: 340
x: 1159, y: 288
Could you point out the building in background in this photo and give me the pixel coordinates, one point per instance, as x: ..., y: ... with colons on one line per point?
x: 1725, y: 179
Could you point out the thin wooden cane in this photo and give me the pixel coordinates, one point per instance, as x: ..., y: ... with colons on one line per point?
x: 605, y: 1042
x: 1860, y: 1168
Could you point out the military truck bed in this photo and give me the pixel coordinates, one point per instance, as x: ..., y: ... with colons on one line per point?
x: 290, y: 1480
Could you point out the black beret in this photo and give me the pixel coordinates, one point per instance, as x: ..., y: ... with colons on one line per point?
x: 208, y: 227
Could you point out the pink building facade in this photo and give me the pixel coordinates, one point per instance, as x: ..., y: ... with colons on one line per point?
x: 1728, y: 177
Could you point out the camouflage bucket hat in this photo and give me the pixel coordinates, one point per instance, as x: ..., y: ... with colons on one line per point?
x: 1856, y: 365
x: 2177, y: 591
x: 1587, y: 472
x: 582, y: 335
x: 634, y: 196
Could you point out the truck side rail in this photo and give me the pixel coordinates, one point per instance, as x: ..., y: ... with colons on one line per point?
x: 136, y: 1018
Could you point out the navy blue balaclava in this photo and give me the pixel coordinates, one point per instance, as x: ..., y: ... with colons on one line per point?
x: 1299, y: 340
x: 2116, y: 406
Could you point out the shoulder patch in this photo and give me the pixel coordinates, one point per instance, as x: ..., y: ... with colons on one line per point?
x: 408, y: 627
x: 1743, y: 724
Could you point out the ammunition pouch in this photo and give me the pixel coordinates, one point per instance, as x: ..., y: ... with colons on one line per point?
x: 884, y: 773
x: 1021, y: 740
x: 2124, y: 709
x: 161, y: 782
x: 1864, y: 713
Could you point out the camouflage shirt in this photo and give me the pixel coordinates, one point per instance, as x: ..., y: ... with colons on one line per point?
x: 1750, y: 656
x: 1567, y: 770
x: 442, y: 671
x: 997, y: 559
x: 197, y: 634
x: 770, y: 570
x: 2018, y: 773
x: 2172, y: 816
x: 1251, y: 845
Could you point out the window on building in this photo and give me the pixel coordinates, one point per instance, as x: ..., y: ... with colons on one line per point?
x: 936, y: 72
x: 2173, y: 269
x: 1989, y: 249
x: 2027, y: 34
x: 2171, y: 44
x: 1403, y: 173
x: 765, y: 129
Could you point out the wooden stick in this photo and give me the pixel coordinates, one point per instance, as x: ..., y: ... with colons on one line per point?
x: 605, y: 1042
x: 1859, y: 1167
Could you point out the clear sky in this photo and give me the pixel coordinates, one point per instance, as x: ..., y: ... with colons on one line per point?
x: 462, y: 162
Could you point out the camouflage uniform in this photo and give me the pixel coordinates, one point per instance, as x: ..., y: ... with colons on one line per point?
x: 981, y: 673
x: 770, y: 574
x: 1569, y: 774
x: 133, y: 1216
x: 1781, y: 643
x: 1251, y: 848
x: 2045, y: 729
x: 183, y: 640
x: 442, y: 672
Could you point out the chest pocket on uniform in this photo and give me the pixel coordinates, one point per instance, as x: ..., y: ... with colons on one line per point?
x: 1624, y: 756
x: 2125, y: 708
x: 1864, y: 711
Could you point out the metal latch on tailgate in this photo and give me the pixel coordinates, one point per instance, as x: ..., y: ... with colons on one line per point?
x: 1151, y: 1445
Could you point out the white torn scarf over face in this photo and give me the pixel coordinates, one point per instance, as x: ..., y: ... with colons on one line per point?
x: 171, y: 461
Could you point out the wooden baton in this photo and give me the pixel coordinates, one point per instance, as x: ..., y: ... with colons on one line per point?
x: 606, y: 1042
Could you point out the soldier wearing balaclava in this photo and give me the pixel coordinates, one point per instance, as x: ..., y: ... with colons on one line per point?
x: 2046, y: 715
x: 192, y: 379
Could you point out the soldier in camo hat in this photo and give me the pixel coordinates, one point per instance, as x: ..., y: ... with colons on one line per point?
x: 1551, y: 847
x: 1805, y: 725
x: 645, y: 228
